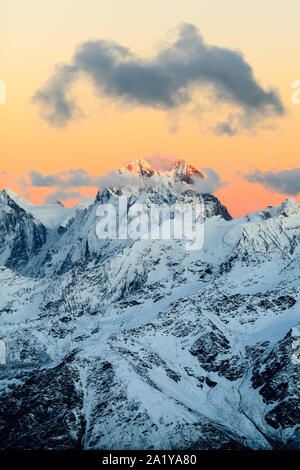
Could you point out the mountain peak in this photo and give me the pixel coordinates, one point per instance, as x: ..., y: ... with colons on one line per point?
x: 184, y: 171
x: 8, y: 194
x: 139, y: 167
x: 181, y: 170
x: 289, y: 206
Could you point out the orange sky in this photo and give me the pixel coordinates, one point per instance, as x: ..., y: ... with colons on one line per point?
x: 35, y: 36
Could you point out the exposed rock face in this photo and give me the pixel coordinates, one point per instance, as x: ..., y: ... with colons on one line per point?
x: 277, y: 379
x: 140, y: 167
x: 143, y: 344
x: 213, y: 207
x: 43, y: 412
x: 21, y: 235
x: 185, y: 172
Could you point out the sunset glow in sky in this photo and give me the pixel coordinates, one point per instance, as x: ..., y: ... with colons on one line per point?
x: 142, y: 102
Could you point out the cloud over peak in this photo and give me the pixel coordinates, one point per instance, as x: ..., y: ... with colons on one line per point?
x: 165, y: 81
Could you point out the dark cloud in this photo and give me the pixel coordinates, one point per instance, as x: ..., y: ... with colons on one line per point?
x: 279, y: 181
x: 64, y: 183
x: 211, y: 183
x: 55, y: 107
x: 37, y: 179
x: 165, y: 81
x: 225, y: 128
x: 80, y: 177
x: 68, y: 178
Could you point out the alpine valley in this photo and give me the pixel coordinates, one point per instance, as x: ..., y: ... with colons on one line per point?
x: 143, y: 344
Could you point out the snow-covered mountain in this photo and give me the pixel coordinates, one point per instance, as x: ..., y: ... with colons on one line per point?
x: 141, y: 343
x: 65, y: 236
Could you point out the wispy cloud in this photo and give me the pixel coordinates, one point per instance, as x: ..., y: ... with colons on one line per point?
x: 68, y: 178
x: 65, y: 184
x: 62, y: 195
x: 161, y: 162
x: 165, y: 81
x: 210, y: 184
x: 69, y: 184
x: 279, y: 181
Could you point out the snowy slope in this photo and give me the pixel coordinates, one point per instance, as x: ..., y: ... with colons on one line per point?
x: 50, y: 215
x: 29, y: 233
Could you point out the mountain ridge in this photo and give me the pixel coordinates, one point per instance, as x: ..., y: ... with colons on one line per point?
x: 70, y: 232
